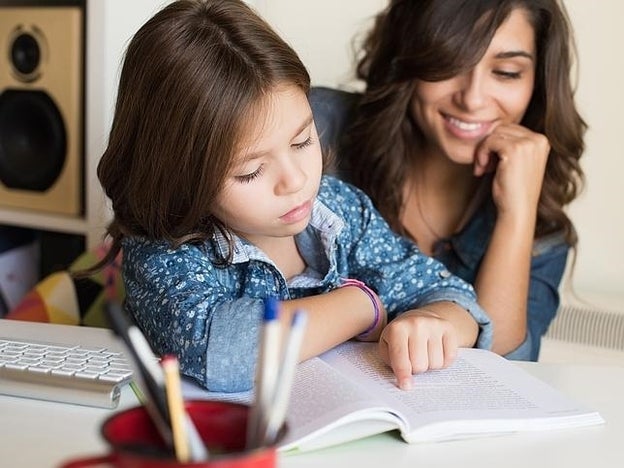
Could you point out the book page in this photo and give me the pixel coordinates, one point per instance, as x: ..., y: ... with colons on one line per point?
x: 325, y: 408
x: 479, y: 393
x: 322, y: 400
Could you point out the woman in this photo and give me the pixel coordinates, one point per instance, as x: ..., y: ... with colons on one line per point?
x: 468, y: 140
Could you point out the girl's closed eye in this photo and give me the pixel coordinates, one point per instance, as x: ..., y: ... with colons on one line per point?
x: 247, y: 178
x: 307, y: 142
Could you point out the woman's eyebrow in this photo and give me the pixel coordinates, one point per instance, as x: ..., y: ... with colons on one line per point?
x: 513, y: 54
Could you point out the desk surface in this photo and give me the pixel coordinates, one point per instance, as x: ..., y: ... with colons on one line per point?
x: 43, y: 434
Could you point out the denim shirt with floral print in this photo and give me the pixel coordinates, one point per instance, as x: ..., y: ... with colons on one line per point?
x: 209, y: 315
x: 463, y: 252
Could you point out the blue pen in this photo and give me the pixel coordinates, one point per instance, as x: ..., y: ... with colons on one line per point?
x: 266, y: 373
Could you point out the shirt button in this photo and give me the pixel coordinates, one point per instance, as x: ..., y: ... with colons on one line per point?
x: 444, y: 274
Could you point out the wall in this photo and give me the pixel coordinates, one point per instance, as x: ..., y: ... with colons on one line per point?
x: 321, y: 32
x: 598, y: 213
x: 110, y: 26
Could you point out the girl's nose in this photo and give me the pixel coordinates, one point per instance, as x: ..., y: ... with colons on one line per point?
x: 292, y: 177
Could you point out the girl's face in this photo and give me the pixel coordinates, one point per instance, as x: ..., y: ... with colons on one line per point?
x: 277, y: 172
x: 456, y: 114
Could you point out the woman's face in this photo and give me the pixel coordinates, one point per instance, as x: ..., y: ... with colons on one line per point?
x: 456, y: 114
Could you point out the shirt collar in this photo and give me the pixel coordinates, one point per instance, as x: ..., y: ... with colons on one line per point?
x: 322, y: 220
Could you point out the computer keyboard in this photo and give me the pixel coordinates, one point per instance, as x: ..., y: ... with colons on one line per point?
x: 91, y: 376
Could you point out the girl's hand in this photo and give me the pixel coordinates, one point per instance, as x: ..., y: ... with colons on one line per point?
x: 518, y: 158
x: 416, y: 341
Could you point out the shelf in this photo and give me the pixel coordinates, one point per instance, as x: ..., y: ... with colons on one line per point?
x: 53, y: 222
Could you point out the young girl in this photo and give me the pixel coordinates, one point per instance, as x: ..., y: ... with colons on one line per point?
x: 214, y: 172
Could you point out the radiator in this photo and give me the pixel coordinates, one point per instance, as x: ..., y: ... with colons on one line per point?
x: 589, y: 325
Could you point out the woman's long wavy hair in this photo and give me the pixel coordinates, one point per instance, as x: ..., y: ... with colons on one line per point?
x: 194, y: 77
x: 433, y: 40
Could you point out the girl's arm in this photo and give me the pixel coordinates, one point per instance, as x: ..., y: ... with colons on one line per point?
x: 518, y: 157
x: 334, y: 318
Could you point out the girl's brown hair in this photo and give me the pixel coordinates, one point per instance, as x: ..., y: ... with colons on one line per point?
x: 194, y: 76
x: 433, y: 40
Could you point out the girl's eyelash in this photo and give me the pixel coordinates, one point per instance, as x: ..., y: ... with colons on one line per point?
x: 247, y: 178
x: 303, y: 144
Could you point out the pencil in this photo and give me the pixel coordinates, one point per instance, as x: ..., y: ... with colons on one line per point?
x: 177, y: 413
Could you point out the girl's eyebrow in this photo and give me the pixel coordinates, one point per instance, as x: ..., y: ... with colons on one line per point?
x: 307, y: 122
x: 258, y: 154
x: 514, y: 53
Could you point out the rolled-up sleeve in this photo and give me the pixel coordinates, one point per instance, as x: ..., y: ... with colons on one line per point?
x: 547, y: 267
x: 176, y: 298
x: 232, y: 345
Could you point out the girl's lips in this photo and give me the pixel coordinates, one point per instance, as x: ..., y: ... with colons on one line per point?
x: 467, y: 130
x: 298, y: 213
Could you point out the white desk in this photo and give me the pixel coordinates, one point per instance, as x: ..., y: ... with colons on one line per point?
x: 40, y: 434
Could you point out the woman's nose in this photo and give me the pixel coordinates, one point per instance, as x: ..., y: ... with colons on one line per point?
x: 471, y: 92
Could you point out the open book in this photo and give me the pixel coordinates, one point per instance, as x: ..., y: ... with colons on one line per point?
x: 349, y: 393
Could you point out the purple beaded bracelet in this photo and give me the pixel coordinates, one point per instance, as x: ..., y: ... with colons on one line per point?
x: 374, y: 299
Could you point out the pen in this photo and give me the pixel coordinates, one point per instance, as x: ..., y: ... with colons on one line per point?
x: 290, y: 358
x: 266, y: 373
x: 148, y: 374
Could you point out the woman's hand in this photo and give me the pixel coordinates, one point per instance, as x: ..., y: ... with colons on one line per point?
x: 419, y: 340
x: 518, y: 158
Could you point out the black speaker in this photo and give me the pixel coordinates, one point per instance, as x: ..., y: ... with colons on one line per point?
x: 42, y: 107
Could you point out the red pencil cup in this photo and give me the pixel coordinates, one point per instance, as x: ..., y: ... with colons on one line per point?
x: 135, y: 442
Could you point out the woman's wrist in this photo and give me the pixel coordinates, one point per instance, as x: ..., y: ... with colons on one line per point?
x: 377, y: 314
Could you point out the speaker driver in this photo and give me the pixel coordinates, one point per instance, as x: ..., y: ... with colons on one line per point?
x: 25, y: 54
x: 32, y: 140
